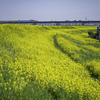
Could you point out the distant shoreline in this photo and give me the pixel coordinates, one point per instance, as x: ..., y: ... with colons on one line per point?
x: 58, y: 23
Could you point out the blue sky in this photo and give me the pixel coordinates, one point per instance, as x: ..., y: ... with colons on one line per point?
x: 47, y: 10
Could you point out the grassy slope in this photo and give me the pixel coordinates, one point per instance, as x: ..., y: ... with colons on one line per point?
x: 34, y: 64
x: 82, y: 49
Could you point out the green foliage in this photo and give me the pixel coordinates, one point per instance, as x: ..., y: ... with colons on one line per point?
x: 0, y: 22
x: 94, y: 67
x: 92, y: 34
x: 48, y: 63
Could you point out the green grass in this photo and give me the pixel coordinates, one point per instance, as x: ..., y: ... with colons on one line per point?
x: 49, y: 63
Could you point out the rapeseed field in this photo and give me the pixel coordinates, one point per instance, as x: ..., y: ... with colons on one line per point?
x: 49, y: 63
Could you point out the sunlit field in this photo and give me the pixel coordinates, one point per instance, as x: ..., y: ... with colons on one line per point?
x: 49, y: 63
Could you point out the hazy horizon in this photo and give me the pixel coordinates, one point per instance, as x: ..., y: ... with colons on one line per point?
x: 49, y: 10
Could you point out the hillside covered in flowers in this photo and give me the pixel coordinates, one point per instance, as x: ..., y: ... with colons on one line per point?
x: 49, y: 63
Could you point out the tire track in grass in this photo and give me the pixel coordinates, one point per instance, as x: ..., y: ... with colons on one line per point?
x: 95, y: 77
x: 56, y: 44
